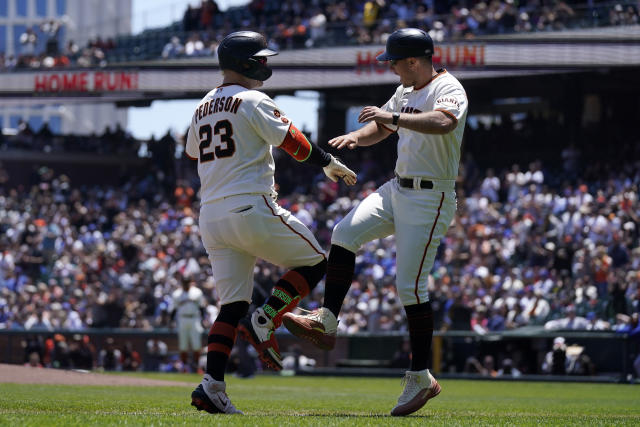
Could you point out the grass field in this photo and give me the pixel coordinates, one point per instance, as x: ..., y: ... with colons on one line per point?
x: 301, y: 401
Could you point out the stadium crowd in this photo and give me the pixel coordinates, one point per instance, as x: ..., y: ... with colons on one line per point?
x: 40, y: 47
x: 532, y: 246
x: 295, y: 24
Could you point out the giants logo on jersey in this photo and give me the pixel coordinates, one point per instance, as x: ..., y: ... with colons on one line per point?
x: 447, y: 101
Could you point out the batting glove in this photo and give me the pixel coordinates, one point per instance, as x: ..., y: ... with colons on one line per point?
x: 336, y: 170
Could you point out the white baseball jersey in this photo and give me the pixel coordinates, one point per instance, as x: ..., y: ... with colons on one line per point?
x: 429, y: 155
x: 187, y: 304
x: 418, y: 217
x: 231, y: 134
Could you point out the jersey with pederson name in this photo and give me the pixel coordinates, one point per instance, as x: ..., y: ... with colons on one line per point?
x: 429, y: 155
x: 231, y: 135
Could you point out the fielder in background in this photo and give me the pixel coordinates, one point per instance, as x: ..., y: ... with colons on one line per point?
x: 188, y: 305
x: 428, y: 111
x: 231, y: 135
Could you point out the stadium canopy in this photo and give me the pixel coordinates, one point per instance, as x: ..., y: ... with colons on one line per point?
x: 329, y: 68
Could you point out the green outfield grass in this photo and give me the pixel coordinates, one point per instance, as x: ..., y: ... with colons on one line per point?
x: 299, y: 401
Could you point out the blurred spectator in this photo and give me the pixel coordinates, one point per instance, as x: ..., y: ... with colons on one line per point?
x: 60, y: 356
x: 630, y: 325
x: 567, y: 360
x: 110, y: 357
x: 173, y: 48
x: 570, y: 322
x: 50, y: 29
x: 34, y: 361
x: 155, y: 355
x: 81, y: 352
x: 596, y: 324
x: 402, y: 356
x: 486, y: 368
x: 33, y: 344
x: 579, y: 363
x: 555, y: 361
x: 130, y: 359
x: 508, y: 370
x: 295, y: 360
x: 28, y: 41
x: 194, y: 46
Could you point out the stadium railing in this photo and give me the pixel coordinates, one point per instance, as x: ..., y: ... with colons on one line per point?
x: 372, y: 353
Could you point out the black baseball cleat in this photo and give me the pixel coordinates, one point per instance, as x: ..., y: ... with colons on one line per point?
x: 201, y: 401
x: 210, y: 396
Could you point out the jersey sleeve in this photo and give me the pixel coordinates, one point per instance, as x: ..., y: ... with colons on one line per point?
x: 452, y: 101
x: 192, y: 149
x: 391, y: 106
x: 270, y: 122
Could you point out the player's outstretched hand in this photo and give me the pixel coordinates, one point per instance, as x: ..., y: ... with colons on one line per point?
x: 336, y: 170
x: 349, y: 140
x: 371, y: 113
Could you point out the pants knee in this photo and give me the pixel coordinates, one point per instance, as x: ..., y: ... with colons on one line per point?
x: 341, y: 236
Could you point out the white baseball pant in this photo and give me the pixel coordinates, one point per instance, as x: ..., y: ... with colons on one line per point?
x: 189, y: 333
x: 239, y: 229
x: 418, y: 218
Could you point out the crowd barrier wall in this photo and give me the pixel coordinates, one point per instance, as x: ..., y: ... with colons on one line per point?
x: 611, y: 353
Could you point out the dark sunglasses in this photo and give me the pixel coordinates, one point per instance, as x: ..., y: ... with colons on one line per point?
x: 261, y: 59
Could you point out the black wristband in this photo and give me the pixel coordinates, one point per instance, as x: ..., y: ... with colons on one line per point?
x: 396, y: 117
x: 318, y: 156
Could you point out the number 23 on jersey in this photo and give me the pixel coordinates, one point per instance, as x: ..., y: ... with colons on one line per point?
x: 227, y: 146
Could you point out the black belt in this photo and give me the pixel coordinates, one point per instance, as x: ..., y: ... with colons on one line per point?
x: 425, y: 184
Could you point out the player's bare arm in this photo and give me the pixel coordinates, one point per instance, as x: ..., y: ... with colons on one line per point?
x: 369, y: 134
x: 431, y: 122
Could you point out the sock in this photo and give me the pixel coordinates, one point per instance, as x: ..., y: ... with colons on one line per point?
x: 420, y: 317
x: 292, y: 287
x: 284, y: 296
x: 222, y: 336
x: 340, y: 268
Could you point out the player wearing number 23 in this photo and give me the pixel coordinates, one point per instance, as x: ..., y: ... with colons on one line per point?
x: 232, y: 132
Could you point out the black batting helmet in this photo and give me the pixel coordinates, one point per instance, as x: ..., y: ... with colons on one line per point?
x: 245, y: 52
x: 407, y: 43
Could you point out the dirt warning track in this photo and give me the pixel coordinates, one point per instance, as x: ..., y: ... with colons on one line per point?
x: 26, y: 375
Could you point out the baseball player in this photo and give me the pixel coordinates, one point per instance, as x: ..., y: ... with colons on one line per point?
x: 188, y: 303
x: 231, y: 135
x: 428, y: 111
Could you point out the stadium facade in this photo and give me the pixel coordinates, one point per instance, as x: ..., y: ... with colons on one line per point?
x: 80, y: 21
